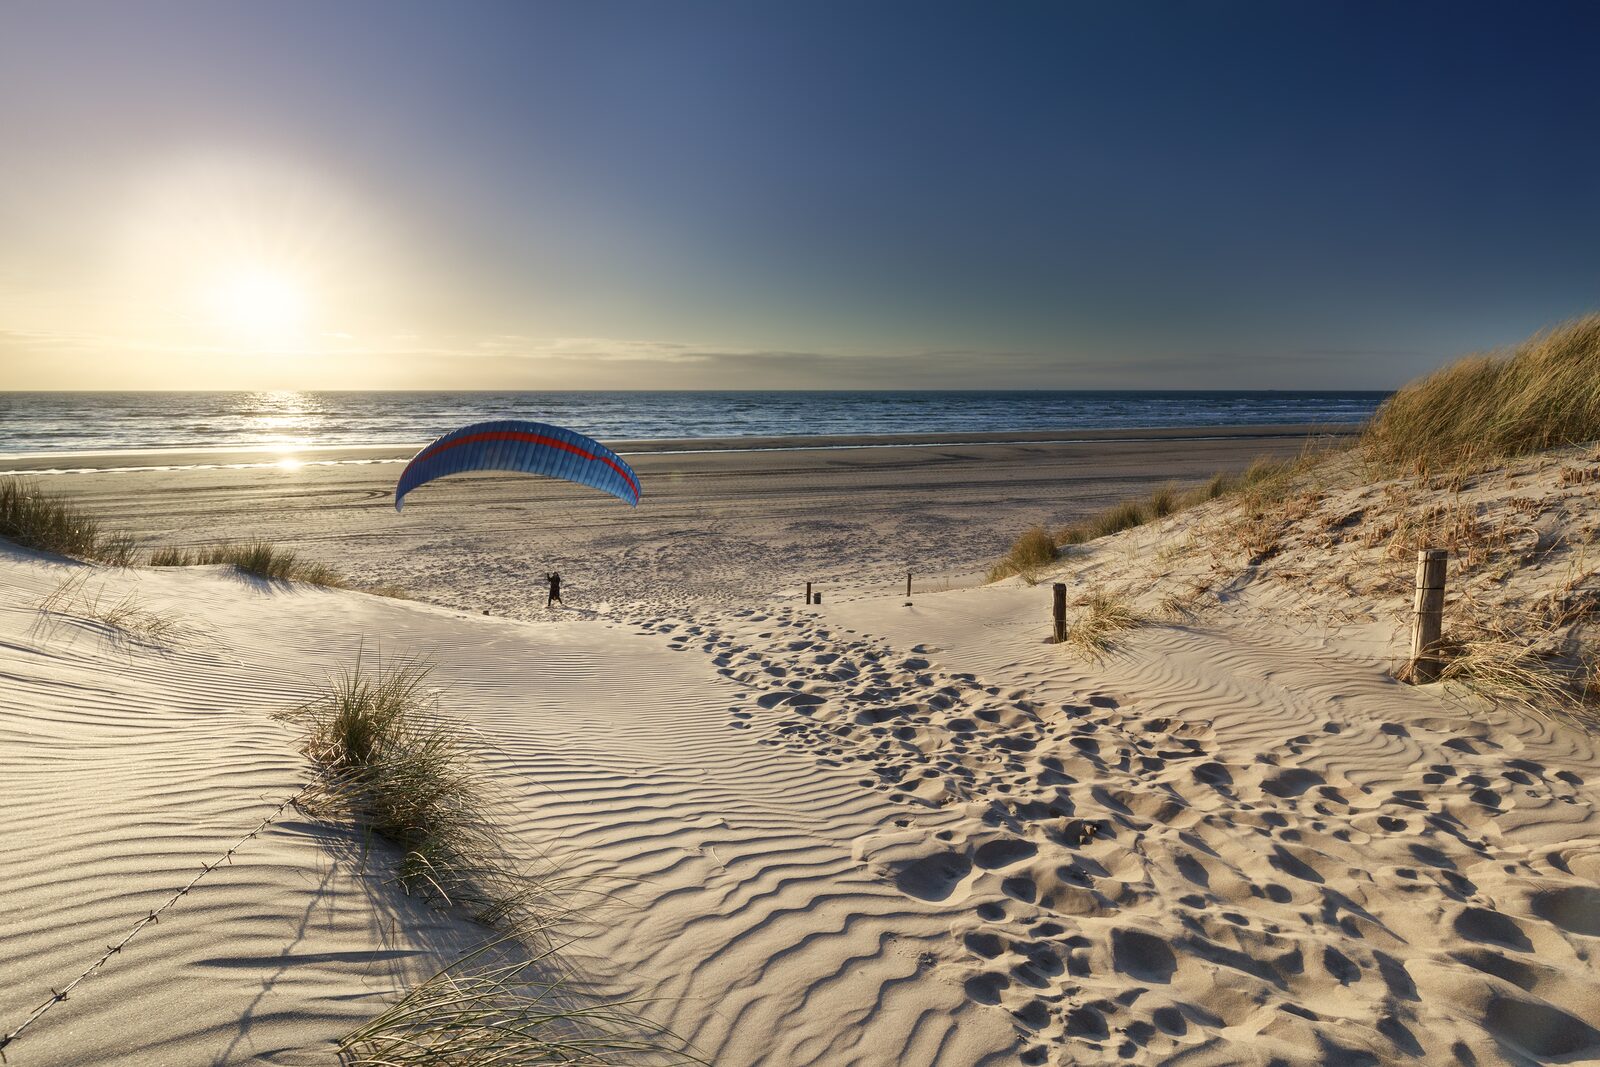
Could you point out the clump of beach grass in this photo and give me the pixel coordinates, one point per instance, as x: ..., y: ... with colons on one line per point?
x: 263, y: 559
x: 124, y: 617
x: 480, y: 1012
x: 1123, y: 516
x: 1163, y: 502
x: 1103, y: 615
x: 1264, y: 481
x: 51, y: 522
x: 1029, y: 554
x: 1524, y: 662
x: 390, y: 763
x: 1540, y: 394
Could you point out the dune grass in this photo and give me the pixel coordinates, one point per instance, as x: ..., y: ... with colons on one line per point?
x: 479, y: 1012
x: 1540, y: 394
x: 1534, y: 660
x: 262, y: 559
x: 1115, y: 519
x: 1104, y: 614
x: 389, y: 763
x: 125, y: 617
x: 1163, y: 502
x: 1037, y: 547
x: 1029, y: 554
x: 51, y: 522
x: 1169, y: 499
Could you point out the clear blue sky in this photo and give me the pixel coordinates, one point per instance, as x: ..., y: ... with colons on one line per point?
x: 859, y: 194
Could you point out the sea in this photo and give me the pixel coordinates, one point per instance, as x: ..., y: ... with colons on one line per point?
x: 88, y: 422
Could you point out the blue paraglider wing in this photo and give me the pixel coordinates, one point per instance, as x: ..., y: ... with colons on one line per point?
x: 530, y: 447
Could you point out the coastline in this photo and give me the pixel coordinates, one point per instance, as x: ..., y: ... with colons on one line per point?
x: 252, y: 456
x: 725, y: 523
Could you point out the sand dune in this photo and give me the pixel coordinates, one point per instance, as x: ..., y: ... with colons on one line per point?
x: 1228, y: 844
x: 726, y: 858
x: 861, y: 833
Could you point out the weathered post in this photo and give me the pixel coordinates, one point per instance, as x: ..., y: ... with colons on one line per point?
x: 908, y: 589
x: 1059, y: 612
x: 808, y: 592
x: 816, y: 598
x: 1427, y: 622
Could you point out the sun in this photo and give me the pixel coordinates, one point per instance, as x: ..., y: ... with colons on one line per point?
x: 259, y: 306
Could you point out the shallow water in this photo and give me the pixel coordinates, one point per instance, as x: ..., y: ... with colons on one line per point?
x: 93, y: 422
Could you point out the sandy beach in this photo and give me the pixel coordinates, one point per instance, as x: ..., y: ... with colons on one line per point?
x: 717, y: 519
x: 865, y: 832
x: 731, y: 534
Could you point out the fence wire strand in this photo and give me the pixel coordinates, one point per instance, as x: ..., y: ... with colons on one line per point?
x: 58, y: 995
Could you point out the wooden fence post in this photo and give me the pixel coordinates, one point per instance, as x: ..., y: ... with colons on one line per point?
x: 808, y: 592
x: 1427, y: 622
x: 1059, y: 612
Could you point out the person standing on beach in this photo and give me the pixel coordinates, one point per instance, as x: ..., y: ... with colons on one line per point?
x: 554, y: 578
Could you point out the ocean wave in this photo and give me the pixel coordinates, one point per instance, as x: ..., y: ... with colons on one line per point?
x: 84, y: 422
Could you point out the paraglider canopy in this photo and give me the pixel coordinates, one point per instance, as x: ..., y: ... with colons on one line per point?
x: 530, y: 447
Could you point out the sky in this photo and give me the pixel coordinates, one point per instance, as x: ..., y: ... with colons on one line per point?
x: 860, y: 194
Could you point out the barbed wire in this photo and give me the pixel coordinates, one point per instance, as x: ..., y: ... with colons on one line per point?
x: 58, y: 995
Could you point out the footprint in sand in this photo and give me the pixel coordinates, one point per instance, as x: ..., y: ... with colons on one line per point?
x: 1575, y: 909
x: 933, y: 877
x: 1491, y: 927
x: 986, y: 988
x: 1004, y: 852
x: 1143, y: 957
x: 1540, y: 1029
x: 1292, y: 782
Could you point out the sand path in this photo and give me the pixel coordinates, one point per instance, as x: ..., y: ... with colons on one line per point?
x: 1230, y: 842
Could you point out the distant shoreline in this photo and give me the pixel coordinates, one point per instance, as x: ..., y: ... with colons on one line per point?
x: 192, y: 458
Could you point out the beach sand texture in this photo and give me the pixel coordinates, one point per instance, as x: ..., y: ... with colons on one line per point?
x: 717, y: 526
x: 860, y: 833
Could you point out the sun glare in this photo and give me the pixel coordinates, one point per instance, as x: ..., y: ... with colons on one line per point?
x: 259, y: 306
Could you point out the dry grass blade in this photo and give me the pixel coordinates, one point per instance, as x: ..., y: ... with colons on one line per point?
x: 1029, y: 554
x: 389, y: 762
x: 50, y: 522
x: 1542, y: 393
x: 480, y: 1012
x: 262, y: 559
x: 1104, y: 614
x: 122, y: 617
